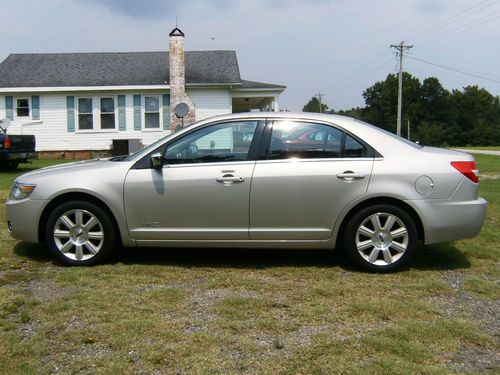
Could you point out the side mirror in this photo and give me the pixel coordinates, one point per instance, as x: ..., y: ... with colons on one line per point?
x: 157, y: 160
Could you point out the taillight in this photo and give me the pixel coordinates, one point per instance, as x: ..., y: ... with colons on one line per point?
x: 468, y: 169
x: 6, y: 142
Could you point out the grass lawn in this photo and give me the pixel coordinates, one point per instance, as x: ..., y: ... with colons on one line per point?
x: 251, y: 311
x: 490, y: 148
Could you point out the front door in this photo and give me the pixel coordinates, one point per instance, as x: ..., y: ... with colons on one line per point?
x: 202, y: 191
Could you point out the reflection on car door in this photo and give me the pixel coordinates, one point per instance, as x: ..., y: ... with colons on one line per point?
x: 201, y: 193
x: 304, y: 184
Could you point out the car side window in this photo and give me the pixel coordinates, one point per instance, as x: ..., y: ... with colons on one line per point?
x: 223, y: 142
x: 353, y: 149
x: 292, y: 139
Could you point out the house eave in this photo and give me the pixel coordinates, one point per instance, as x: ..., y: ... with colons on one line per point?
x: 114, y: 88
x: 84, y: 88
x: 241, y: 89
x: 212, y: 85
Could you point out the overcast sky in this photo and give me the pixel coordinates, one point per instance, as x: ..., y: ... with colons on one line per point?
x: 337, y: 47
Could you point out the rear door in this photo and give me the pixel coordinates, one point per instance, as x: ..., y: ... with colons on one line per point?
x: 310, y: 172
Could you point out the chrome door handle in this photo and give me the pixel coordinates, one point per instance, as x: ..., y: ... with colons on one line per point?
x: 349, y: 176
x: 230, y: 179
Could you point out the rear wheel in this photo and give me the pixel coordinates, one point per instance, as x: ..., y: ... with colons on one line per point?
x: 380, y: 238
x: 80, y: 233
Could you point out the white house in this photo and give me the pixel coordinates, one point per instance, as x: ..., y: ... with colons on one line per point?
x: 83, y: 101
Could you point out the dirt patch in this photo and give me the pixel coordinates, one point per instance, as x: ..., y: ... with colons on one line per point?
x: 48, y: 291
x: 465, y: 305
x: 473, y: 360
x: 462, y: 304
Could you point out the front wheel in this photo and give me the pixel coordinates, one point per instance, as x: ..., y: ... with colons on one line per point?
x: 79, y: 233
x: 380, y: 238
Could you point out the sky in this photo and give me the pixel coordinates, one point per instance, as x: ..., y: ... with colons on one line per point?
x: 334, y: 47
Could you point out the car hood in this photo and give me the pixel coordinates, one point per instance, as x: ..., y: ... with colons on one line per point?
x: 75, y: 167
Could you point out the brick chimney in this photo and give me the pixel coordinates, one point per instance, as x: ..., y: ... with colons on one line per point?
x: 177, y: 80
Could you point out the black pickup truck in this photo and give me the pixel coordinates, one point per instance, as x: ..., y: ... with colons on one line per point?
x: 15, y: 149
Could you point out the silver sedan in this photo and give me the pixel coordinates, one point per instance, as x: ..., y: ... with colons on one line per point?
x: 256, y: 180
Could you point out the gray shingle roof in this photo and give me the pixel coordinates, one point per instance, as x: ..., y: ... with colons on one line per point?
x: 114, y: 69
x: 259, y: 85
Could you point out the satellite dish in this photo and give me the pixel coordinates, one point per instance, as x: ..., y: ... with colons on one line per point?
x: 181, y: 110
x: 4, y: 123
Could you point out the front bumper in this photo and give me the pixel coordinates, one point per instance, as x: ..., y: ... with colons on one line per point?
x: 449, y: 220
x: 23, y: 217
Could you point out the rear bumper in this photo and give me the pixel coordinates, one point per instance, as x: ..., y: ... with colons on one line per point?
x: 5, y: 155
x: 448, y: 220
x: 23, y: 217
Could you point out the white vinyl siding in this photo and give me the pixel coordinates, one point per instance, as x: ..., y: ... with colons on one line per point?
x: 210, y: 102
x: 2, y: 107
x: 52, y: 134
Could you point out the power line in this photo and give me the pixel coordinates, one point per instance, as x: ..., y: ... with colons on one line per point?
x: 362, y: 72
x: 455, y: 70
x: 459, y: 30
x: 463, y: 14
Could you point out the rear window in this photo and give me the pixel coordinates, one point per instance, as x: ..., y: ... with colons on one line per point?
x: 304, y: 140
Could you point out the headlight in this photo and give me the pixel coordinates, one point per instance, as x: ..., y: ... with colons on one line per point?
x: 21, y: 191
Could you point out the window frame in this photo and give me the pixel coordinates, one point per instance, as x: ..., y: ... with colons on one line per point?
x: 263, y: 153
x: 252, y: 156
x: 114, y: 113
x: 92, y: 112
x: 215, y: 152
x: 96, y: 114
x: 144, y: 112
x: 30, y: 112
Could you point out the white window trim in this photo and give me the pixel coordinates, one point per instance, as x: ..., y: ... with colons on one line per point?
x: 21, y: 118
x: 160, y: 112
x: 96, y: 114
x: 77, y: 112
x: 115, y: 112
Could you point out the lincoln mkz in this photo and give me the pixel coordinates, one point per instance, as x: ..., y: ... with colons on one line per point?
x: 256, y: 180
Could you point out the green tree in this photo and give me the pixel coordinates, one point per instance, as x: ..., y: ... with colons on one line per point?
x: 357, y: 113
x: 476, y: 114
x: 382, y: 101
x: 313, y: 106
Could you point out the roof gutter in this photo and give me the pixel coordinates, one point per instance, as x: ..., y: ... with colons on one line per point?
x: 111, y: 88
x: 84, y: 88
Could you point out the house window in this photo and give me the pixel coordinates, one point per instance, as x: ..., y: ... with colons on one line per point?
x: 85, y: 117
x: 152, y: 112
x: 108, y: 113
x: 23, y: 107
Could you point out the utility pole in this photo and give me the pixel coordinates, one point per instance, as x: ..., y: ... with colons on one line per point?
x: 320, y: 94
x: 401, y: 48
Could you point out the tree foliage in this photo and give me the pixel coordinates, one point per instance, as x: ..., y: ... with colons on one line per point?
x: 438, y: 117
x: 313, y: 106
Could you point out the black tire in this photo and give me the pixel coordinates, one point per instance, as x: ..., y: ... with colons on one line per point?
x: 92, y: 232
x: 383, y: 249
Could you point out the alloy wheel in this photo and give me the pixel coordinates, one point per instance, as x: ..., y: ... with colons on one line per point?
x: 382, y: 239
x: 78, y: 234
